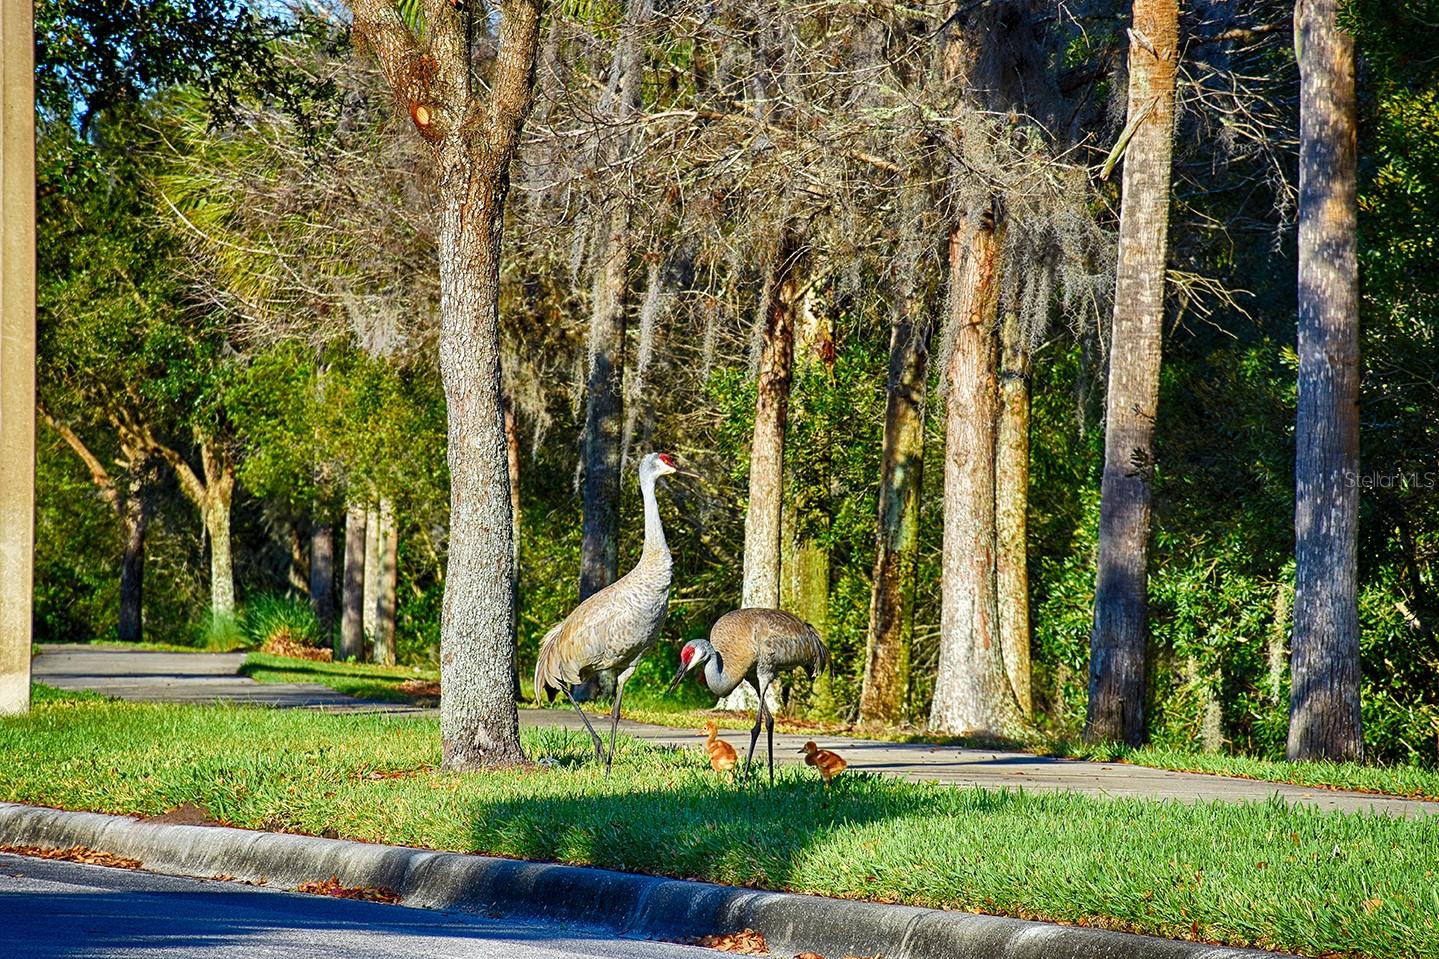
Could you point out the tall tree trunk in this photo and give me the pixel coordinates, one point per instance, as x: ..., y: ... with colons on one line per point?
x: 135, y: 511
x: 1117, y: 644
x: 1324, y: 716
x: 352, y: 619
x: 884, y: 693
x: 1011, y: 493
x: 604, y: 408
x: 762, y: 524
x: 474, y: 130
x: 371, y: 601
x: 387, y: 540
x: 322, y: 573
x: 971, y: 691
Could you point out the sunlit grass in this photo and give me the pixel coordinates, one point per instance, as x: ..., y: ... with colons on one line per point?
x: 647, y: 706
x: 1258, y: 874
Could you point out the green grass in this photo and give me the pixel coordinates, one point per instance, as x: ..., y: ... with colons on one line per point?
x: 1256, y: 874
x: 362, y: 680
x: 383, y: 683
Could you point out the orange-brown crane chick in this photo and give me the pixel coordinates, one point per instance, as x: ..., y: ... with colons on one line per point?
x: 828, y: 763
x: 722, y: 754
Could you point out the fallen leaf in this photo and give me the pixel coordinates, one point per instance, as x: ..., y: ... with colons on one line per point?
x: 81, y: 854
x: 747, y: 943
x: 332, y: 887
x: 1371, y: 905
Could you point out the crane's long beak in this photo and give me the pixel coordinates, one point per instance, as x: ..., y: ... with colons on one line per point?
x: 679, y: 677
x: 688, y: 473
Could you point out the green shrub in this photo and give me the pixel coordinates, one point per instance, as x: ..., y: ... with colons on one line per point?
x: 285, y: 619
x: 221, y: 633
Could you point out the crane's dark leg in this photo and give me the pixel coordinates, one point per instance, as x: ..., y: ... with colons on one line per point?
x: 615, y: 715
x: 754, y: 737
x: 769, y: 730
x: 599, y: 744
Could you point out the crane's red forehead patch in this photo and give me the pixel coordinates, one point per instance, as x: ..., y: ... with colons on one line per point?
x: 687, y: 654
x: 665, y: 459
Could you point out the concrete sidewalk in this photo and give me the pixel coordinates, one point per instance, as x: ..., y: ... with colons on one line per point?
x: 209, y: 677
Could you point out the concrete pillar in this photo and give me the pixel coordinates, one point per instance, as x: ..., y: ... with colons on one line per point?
x: 17, y: 351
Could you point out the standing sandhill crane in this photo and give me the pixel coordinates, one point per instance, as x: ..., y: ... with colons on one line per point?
x: 757, y: 645
x: 614, y: 627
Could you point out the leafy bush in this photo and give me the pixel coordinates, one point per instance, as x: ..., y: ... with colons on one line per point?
x: 282, y: 620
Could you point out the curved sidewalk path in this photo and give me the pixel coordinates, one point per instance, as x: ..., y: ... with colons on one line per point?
x: 212, y: 677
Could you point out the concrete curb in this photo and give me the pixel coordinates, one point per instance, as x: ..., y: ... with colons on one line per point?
x: 625, y: 904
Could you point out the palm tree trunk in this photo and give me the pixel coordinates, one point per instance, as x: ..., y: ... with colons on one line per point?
x: 135, y: 512
x: 219, y: 471
x: 1324, y: 715
x: 604, y: 409
x: 322, y: 573
x: 369, y: 616
x: 762, y: 525
x: 387, y: 539
x: 1117, y: 645
x: 972, y: 691
x: 352, y: 618
x: 884, y: 694
x: 1011, y: 493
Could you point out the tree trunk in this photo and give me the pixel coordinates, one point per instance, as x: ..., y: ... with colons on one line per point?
x: 352, y: 619
x: 370, y: 607
x: 322, y: 574
x: 135, y: 510
x: 1324, y: 716
x: 1117, y: 644
x: 479, y: 724
x: 387, y: 539
x: 885, y: 692
x: 762, y: 524
x: 475, y: 131
x: 1011, y: 493
x: 971, y: 691
x: 604, y: 409
x: 219, y: 470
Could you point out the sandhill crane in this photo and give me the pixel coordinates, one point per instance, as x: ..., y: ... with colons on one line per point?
x: 614, y: 627
x: 722, y: 754
x: 757, y: 645
x: 829, y: 764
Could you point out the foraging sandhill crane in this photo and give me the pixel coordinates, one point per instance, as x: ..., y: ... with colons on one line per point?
x: 757, y: 645
x: 828, y: 763
x: 614, y: 627
x: 722, y: 754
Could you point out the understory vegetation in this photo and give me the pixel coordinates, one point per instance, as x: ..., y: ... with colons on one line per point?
x: 1258, y: 874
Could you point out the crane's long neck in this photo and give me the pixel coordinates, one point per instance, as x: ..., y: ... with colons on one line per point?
x: 715, y: 678
x: 656, y: 549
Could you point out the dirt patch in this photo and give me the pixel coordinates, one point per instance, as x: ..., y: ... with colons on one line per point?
x: 421, y: 689
x: 185, y: 814
x: 332, y: 887
x: 82, y: 854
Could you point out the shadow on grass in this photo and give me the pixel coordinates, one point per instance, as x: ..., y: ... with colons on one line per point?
x: 673, y: 816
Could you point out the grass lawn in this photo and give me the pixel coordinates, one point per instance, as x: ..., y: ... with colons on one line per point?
x: 1258, y: 874
x: 649, y: 706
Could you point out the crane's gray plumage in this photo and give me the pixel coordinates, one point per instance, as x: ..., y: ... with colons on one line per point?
x: 757, y: 645
x: 614, y: 627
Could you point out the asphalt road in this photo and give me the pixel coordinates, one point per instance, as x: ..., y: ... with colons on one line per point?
x: 50, y: 910
x: 210, y: 677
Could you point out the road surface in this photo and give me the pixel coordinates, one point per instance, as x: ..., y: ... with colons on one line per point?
x: 62, y: 910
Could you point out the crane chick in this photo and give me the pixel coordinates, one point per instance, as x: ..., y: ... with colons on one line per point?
x: 722, y: 754
x: 829, y: 764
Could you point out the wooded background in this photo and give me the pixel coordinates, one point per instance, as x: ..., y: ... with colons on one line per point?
x: 853, y: 263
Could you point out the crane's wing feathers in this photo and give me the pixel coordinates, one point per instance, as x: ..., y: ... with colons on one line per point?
x: 609, y: 630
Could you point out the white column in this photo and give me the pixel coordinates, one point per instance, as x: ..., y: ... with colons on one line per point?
x: 17, y: 351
